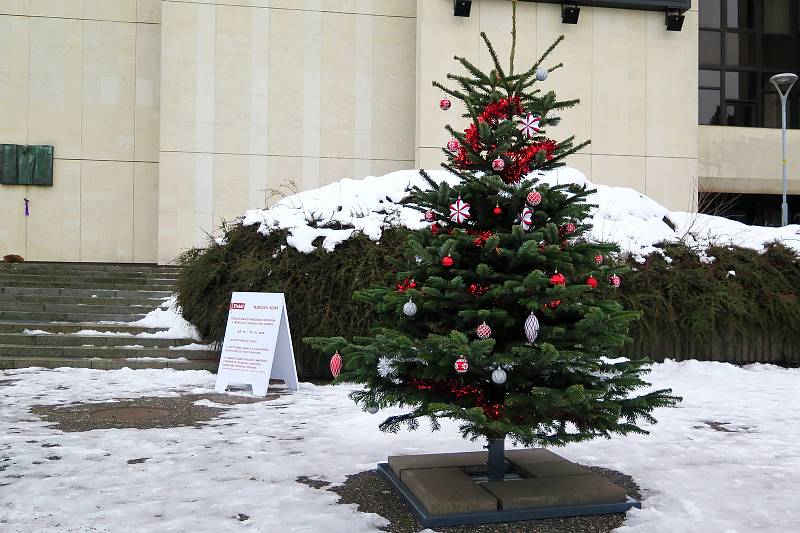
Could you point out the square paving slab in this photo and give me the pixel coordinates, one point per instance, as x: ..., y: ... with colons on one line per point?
x: 445, y: 490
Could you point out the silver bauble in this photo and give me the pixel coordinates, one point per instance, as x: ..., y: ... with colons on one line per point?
x: 372, y: 410
x: 499, y: 376
x: 541, y: 74
x: 410, y: 308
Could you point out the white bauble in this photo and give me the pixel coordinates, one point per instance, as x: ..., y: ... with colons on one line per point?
x: 531, y: 327
x: 541, y: 74
x: 372, y: 410
x: 410, y: 308
x: 499, y: 376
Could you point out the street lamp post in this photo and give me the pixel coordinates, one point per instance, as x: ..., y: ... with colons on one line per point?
x: 784, y: 81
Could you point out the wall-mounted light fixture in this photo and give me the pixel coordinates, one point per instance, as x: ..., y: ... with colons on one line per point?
x: 674, y: 20
x: 570, y: 12
x: 461, y: 8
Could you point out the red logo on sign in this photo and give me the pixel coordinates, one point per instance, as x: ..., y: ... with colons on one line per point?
x: 236, y: 305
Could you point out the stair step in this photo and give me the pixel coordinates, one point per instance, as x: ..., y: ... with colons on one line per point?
x: 11, y: 283
x: 98, y: 280
x: 19, y: 327
x: 92, y: 267
x: 76, y: 308
x: 71, y: 339
x: 89, y: 274
x: 103, y: 364
x: 41, y: 316
x: 88, y: 300
x: 86, y: 292
x: 106, y: 352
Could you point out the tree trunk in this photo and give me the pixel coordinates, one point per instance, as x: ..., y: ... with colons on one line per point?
x: 497, y: 459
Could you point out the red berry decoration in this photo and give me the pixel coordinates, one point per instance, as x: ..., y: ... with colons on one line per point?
x: 598, y: 259
x: 554, y: 304
x: 447, y: 262
x: 497, y: 211
x: 569, y: 228
x: 615, y: 281
x: 592, y: 282
x: 484, y: 331
x: 452, y: 145
x: 430, y: 216
x: 558, y: 279
x: 498, y: 164
x: 444, y: 104
x: 534, y: 198
x: 336, y: 365
x: 462, y: 365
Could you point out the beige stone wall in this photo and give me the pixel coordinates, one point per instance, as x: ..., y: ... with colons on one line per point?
x: 83, y: 75
x: 747, y: 160
x: 260, y: 93
x: 637, y: 83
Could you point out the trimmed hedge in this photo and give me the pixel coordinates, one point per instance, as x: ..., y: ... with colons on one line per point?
x: 689, y: 308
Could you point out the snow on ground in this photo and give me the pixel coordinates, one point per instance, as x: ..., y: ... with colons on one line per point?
x: 634, y: 221
x: 694, y: 477
x: 168, y: 315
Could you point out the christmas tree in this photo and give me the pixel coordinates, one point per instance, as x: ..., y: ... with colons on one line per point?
x: 503, y: 317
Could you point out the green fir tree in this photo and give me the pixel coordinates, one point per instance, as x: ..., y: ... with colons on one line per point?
x: 459, y: 335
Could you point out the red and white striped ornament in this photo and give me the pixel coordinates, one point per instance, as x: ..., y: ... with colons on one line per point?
x: 336, y: 365
x: 452, y: 145
x: 529, y: 126
x: 615, y: 281
x: 444, y: 104
x: 484, y: 331
x: 534, y: 198
x: 498, y: 165
x: 461, y: 365
x: 526, y: 218
x: 459, y: 211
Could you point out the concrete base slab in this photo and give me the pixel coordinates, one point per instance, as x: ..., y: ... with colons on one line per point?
x: 443, y: 490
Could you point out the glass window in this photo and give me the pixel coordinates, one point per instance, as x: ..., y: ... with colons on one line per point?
x: 710, y: 13
x: 740, y: 86
x: 709, y: 106
x: 710, y: 78
x: 740, y: 114
x: 710, y: 48
x: 777, y: 18
x: 741, y: 14
x: 740, y: 49
x: 772, y: 110
x: 779, y: 52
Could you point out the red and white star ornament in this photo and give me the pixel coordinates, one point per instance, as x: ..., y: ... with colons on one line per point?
x: 534, y: 198
x: 430, y: 215
x: 444, y: 104
x: 615, y: 281
x: 459, y: 211
x: 526, y: 218
x: 461, y: 365
x: 529, y: 126
x: 569, y: 228
x: 336, y: 365
x: 484, y: 331
x: 498, y: 165
x: 452, y: 145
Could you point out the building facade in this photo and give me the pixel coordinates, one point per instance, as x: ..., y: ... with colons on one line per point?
x: 169, y: 116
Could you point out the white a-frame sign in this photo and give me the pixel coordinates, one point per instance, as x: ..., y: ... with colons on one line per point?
x: 258, y: 344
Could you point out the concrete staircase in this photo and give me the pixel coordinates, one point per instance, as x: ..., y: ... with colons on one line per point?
x: 46, y: 307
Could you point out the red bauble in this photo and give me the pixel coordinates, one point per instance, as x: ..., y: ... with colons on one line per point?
x: 447, y: 262
x: 615, y: 281
x: 558, y: 279
x: 553, y: 304
x: 336, y: 365
x: 444, y: 104
x: 598, y: 259
x: 461, y: 365
x: 435, y: 228
x: 484, y: 331
x: 534, y: 198
x: 498, y: 164
x: 592, y: 282
x: 452, y: 145
x: 407, y: 284
x: 430, y: 216
x: 569, y: 228
x: 497, y: 211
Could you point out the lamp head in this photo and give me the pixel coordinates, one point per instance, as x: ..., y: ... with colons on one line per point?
x: 783, y: 81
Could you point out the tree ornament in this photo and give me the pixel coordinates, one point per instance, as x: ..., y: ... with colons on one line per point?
x: 534, y: 198
x: 615, y: 281
x: 531, y: 327
x: 452, y: 145
x: 598, y: 259
x: 372, y: 409
x: 497, y: 211
x: 498, y: 165
x: 591, y: 281
x: 558, y: 279
x: 435, y: 228
x: 499, y: 376
x: 461, y: 365
x: 553, y: 304
x: 410, y: 308
x: 569, y: 228
x: 444, y: 104
x: 430, y: 216
x: 336, y: 365
x: 541, y: 73
x: 459, y: 211
x: 526, y: 218
x: 529, y: 126
x: 447, y: 261
x: 484, y: 331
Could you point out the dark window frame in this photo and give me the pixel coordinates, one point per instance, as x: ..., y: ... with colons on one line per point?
x: 759, y: 70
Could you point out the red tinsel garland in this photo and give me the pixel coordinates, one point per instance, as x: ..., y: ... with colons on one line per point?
x: 406, y: 285
x: 459, y: 390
